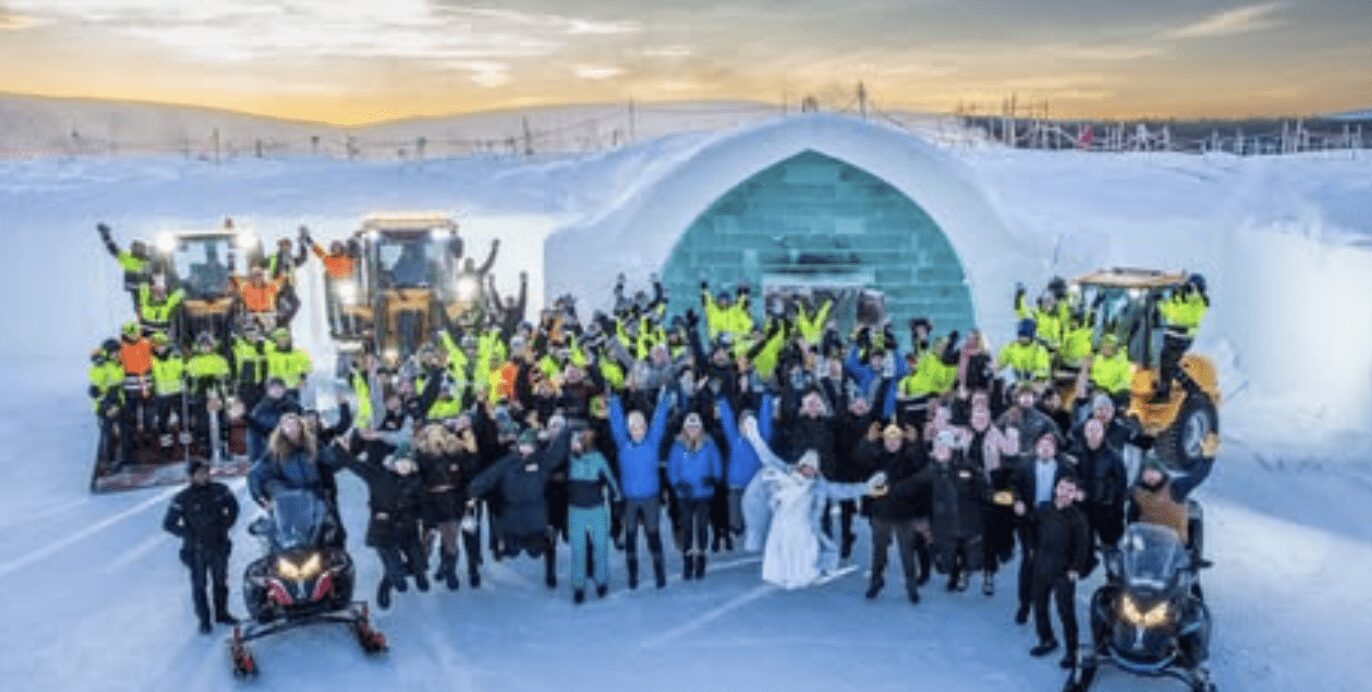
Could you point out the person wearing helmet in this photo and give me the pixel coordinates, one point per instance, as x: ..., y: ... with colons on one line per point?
x: 259, y: 292
x: 106, y: 392
x: 1110, y: 369
x: 1025, y: 356
x: 136, y: 262
x: 282, y: 265
x: 250, y: 363
x: 156, y: 308
x: 169, y: 386
x: 208, y: 374
x: 1181, y: 314
x: 135, y: 355
x: 287, y: 362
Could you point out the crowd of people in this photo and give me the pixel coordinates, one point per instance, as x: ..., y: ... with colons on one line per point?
x: 768, y: 432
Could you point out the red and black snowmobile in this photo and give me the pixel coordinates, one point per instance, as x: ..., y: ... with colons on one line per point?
x: 305, y: 578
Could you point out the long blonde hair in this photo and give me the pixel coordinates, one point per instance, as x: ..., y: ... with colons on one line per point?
x: 281, y: 446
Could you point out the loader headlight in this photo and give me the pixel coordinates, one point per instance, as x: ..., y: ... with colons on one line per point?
x: 1154, y: 617
x: 245, y: 240
x: 166, y: 243
x: 467, y: 287
x: 347, y: 293
x: 440, y: 234
x: 305, y: 570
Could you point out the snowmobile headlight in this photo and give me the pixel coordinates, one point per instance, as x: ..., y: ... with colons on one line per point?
x: 166, y: 242
x: 466, y: 288
x: 287, y: 569
x: 1155, y: 616
x: 311, y: 566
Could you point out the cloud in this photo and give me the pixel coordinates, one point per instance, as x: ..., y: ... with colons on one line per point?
x: 1240, y: 20
x: 668, y: 52
x: 1102, y: 52
x: 239, y: 30
x: 17, y: 22
x: 596, y: 72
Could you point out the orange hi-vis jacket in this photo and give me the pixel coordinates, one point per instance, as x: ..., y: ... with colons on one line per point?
x: 335, y: 266
x: 136, y: 357
x: 258, y: 298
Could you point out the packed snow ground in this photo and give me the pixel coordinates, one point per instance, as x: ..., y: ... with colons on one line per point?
x: 96, y: 598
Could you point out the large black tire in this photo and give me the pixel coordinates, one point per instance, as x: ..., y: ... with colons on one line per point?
x: 1180, y: 444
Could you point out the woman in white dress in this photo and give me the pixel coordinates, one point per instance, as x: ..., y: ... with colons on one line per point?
x: 785, y: 504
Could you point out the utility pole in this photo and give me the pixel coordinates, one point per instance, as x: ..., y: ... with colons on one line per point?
x: 862, y: 99
x: 528, y: 139
x: 216, y: 146
x: 633, y: 123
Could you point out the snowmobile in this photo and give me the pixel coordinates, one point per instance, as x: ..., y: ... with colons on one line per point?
x: 1149, y: 618
x: 304, y: 578
x: 407, y: 285
x: 1124, y: 303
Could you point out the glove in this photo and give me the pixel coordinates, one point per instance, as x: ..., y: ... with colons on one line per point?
x: 103, y: 228
x: 704, y: 285
x: 94, y: 392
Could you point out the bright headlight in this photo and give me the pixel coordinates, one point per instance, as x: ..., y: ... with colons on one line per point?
x: 245, y: 240
x: 166, y: 242
x: 1155, y: 616
x: 311, y: 566
x: 347, y: 293
x: 467, y: 287
x: 287, y: 569
x: 440, y: 234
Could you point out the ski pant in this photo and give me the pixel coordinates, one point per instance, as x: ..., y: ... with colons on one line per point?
x: 400, y: 559
x: 1027, y: 553
x: 695, y: 524
x: 720, y: 526
x: 648, y: 512
x: 1107, y: 523
x: 1063, y: 592
x: 903, y: 530
x: 735, y: 501
x: 1174, y: 346
x: 589, y: 525
x: 208, y: 565
x: 166, y: 406
x: 846, y: 510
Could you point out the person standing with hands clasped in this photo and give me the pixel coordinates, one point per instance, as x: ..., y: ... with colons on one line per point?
x: 201, y: 516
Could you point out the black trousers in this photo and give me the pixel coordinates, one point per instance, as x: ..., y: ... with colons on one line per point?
x: 695, y: 524
x: 846, y: 510
x: 209, y: 567
x: 1027, y: 553
x: 1174, y: 346
x: 1063, y: 592
x: 907, y: 540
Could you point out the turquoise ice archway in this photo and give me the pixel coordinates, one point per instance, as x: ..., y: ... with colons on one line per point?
x: 952, y: 230
x: 813, y: 219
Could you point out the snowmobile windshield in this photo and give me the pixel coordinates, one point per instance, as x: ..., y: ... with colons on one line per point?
x: 1152, y: 556
x: 297, y: 515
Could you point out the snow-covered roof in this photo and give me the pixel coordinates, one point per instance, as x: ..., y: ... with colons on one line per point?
x: 638, y: 232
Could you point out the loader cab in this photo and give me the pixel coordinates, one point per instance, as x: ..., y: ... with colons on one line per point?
x: 408, y: 280
x: 1124, y: 303
x: 201, y: 262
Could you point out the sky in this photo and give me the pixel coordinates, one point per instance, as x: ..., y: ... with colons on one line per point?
x: 360, y: 61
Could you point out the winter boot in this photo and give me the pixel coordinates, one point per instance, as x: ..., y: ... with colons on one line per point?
x: 631, y: 564
x: 1069, y: 660
x: 1022, y: 615
x: 579, y: 596
x: 952, y: 583
x: 421, y: 581
x: 383, y: 594
x: 550, y: 569
x: 961, y: 582
x: 688, y: 566
x: 601, y: 590
x: 926, y: 569
x: 400, y: 585
x: 988, y: 583
x: 912, y: 592
x: 474, y: 578
x: 729, y: 542
x: 221, y: 607
x: 714, y: 544
x: 1044, y: 648
x: 205, y: 627
x: 447, y: 571
x: 846, y: 549
x: 700, y: 565
x: 659, y: 571
x: 874, y: 588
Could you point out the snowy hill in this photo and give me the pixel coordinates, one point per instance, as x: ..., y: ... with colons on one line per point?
x: 97, y: 598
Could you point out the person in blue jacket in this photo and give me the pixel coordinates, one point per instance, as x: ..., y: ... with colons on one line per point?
x: 290, y: 462
x: 869, y: 375
x: 637, y: 443
x: 693, y: 469
x: 743, y: 460
x: 588, y: 517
